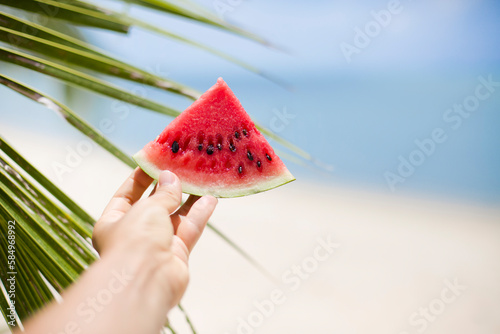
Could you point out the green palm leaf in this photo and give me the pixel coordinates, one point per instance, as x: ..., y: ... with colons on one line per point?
x: 39, y: 248
x: 99, y: 86
x: 91, y: 61
x: 81, y: 15
x: 52, y: 232
x: 198, y: 14
x: 69, y: 116
x: 16, y: 23
x: 79, y: 219
x: 81, y: 79
x: 139, y: 23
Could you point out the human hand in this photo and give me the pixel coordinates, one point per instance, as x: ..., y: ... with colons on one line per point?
x: 142, y: 272
x: 149, y: 229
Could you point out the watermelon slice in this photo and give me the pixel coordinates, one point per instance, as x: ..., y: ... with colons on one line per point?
x: 215, y: 149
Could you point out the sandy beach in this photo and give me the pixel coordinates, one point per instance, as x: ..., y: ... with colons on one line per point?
x: 344, y: 260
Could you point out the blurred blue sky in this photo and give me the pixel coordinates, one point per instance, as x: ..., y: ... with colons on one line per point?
x: 425, y: 33
x: 358, y: 116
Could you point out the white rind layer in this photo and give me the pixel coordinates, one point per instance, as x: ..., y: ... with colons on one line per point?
x: 222, y: 191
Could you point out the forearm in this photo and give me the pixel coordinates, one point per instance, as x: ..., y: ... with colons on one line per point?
x: 120, y: 293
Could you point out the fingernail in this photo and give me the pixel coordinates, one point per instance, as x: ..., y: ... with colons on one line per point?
x: 166, y: 178
x: 205, y: 200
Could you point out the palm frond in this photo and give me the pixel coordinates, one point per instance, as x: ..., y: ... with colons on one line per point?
x: 197, y: 13
x: 52, y: 232
x: 91, y: 61
x: 69, y: 116
x: 19, y: 24
x: 79, y: 219
x: 45, y: 244
x: 129, y: 21
x: 81, y: 79
x: 85, y: 15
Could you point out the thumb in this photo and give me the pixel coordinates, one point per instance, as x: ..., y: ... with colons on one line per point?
x: 168, y: 194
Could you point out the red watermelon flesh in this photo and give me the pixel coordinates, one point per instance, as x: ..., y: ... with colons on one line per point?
x: 215, y: 149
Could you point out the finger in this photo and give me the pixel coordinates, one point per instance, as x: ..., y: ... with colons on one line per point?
x: 168, y: 193
x: 183, y: 210
x: 128, y: 193
x: 191, y: 226
x: 179, y: 249
x: 154, y: 189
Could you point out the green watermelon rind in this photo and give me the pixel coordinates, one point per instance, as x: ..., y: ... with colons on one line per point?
x: 224, y: 192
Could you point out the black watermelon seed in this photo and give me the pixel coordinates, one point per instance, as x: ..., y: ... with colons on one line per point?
x: 268, y: 157
x: 200, y: 147
x: 244, y: 132
x: 237, y: 135
x: 210, y: 149
x: 259, y: 163
x: 175, y: 147
x: 250, y: 156
x: 232, y: 147
x: 240, y: 169
x: 219, y: 146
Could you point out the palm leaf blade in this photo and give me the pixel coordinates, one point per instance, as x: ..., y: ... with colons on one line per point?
x: 92, y: 61
x: 206, y: 48
x: 40, y: 227
x: 82, y: 219
x: 81, y: 79
x: 70, y: 13
x: 69, y: 116
x: 56, y: 228
x: 16, y: 23
x: 24, y: 222
x: 197, y: 13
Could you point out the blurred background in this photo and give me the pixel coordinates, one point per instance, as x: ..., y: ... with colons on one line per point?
x: 361, y: 82
x: 357, y: 113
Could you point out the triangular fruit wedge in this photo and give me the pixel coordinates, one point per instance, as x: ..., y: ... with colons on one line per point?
x: 215, y: 149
